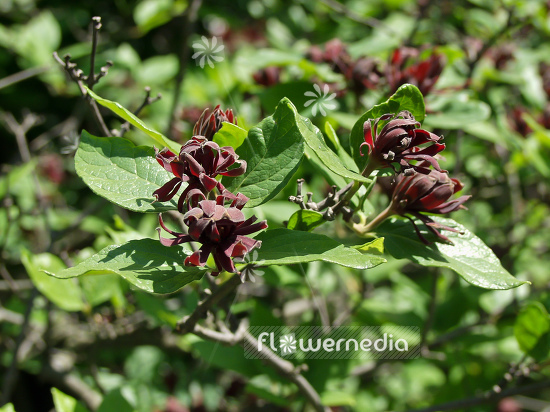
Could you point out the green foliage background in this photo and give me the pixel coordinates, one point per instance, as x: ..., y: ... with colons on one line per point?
x: 117, y: 340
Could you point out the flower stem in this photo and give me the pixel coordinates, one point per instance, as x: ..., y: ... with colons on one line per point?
x: 371, y: 167
x: 369, y: 227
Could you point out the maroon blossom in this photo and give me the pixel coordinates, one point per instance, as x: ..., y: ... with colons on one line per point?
x: 222, y: 231
x: 198, y: 164
x: 399, y: 141
x: 416, y: 193
x: 423, y: 73
x: 361, y: 74
x: 268, y: 76
x: 209, y: 123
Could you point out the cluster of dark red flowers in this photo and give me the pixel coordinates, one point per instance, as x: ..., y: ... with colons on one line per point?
x: 361, y: 74
x: 221, y: 230
x: 417, y: 189
x: 399, y: 141
x: 404, y: 66
x: 407, y: 67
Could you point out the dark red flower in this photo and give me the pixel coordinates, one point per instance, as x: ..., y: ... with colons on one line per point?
x: 517, y: 122
x: 209, y: 123
x: 544, y: 71
x: 268, y: 76
x: 366, y: 74
x: 361, y: 74
x: 423, y: 74
x: 335, y: 54
x: 416, y: 192
x: 198, y: 164
x: 399, y: 141
x: 221, y: 230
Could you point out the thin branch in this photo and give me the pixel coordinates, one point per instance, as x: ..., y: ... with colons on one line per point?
x: 462, y: 330
x: 488, y: 397
x: 22, y: 75
x: 146, y: 102
x: 7, y: 315
x: 367, y: 21
x: 487, y: 45
x: 226, y: 337
x: 286, y: 369
x: 431, y: 312
x: 77, y: 76
x: 19, y: 130
x: 329, y: 206
x: 96, y: 25
x: 423, y: 7
x: 10, y: 378
x: 73, y: 384
x: 188, y: 25
x: 351, y: 310
x: 188, y: 323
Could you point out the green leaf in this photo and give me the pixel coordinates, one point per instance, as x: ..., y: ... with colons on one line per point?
x: 127, y: 115
x: 230, y: 135
x: 115, y: 401
x: 66, y: 403
x: 345, y: 158
x: 8, y: 407
x: 338, y: 398
x: 469, y: 256
x: 375, y: 247
x: 157, y: 70
x: 273, y: 151
x: 305, y: 220
x: 315, y: 140
x: 149, y: 14
x: 100, y: 288
x: 531, y: 330
x: 16, y: 175
x: 145, y: 263
x: 407, y: 97
x: 66, y: 294
x: 287, y: 247
x: 119, y: 171
x: 454, y: 113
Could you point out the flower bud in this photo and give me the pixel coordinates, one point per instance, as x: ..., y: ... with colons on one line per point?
x: 198, y: 164
x: 415, y: 193
x: 399, y: 141
x: 209, y: 123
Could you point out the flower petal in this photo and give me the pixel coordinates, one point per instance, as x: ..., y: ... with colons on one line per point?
x: 168, y: 190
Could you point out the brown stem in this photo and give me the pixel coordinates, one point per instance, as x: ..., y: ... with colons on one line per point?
x: 486, y: 46
x: 369, y: 227
x: 369, y: 168
x: 467, y: 403
x: 96, y: 25
x: 188, y: 323
x: 22, y: 75
x: 188, y: 24
x: 368, y: 21
x: 431, y: 313
x: 288, y: 370
x: 70, y: 68
x: 10, y: 379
